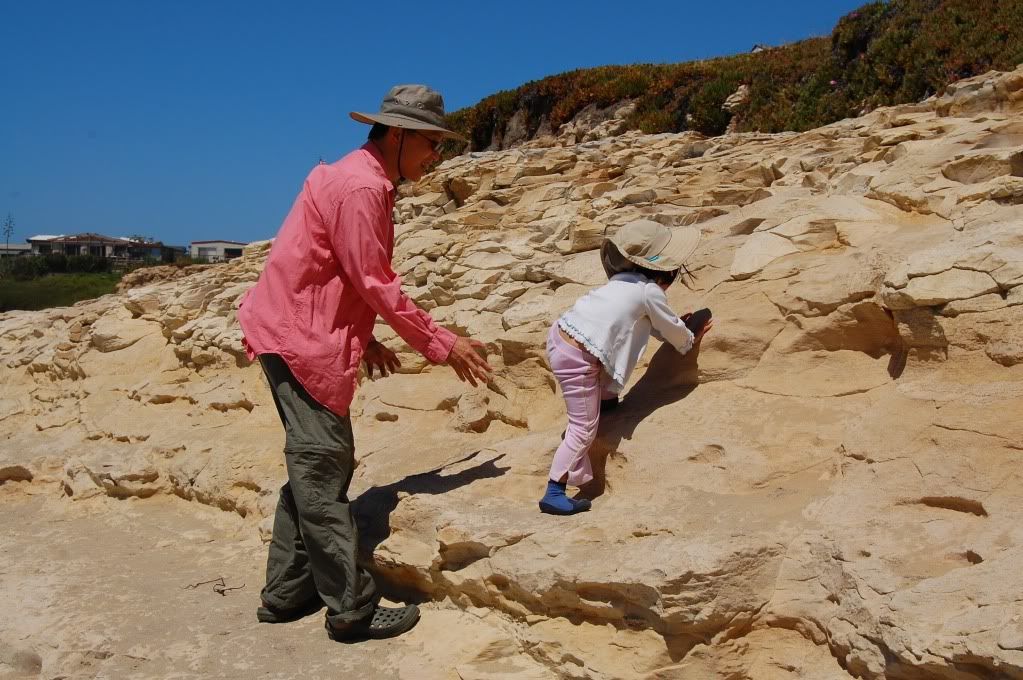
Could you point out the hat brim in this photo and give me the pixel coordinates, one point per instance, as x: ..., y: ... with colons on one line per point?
x: 683, y: 243
x: 404, y: 122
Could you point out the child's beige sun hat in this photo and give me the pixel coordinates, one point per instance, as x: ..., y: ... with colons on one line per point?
x: 651, y: 245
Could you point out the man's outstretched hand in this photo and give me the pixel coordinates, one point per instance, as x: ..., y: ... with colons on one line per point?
x: 466, y: 360
x: 378, y: 356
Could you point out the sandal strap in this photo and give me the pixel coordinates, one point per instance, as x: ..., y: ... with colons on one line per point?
x: 385, y: 617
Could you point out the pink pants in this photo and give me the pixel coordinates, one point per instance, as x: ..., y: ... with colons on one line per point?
x: 583, y: 384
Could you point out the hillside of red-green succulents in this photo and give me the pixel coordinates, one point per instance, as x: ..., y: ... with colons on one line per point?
x: 881, y: 54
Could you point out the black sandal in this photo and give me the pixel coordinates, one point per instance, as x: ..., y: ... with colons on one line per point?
x: 385, y: 622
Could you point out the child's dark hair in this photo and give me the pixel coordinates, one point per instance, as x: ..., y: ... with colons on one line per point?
x: 657, y: 276
x: 666, y: 278
x: 615, y: 263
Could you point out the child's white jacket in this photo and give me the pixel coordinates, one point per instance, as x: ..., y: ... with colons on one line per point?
x: 614, y: 323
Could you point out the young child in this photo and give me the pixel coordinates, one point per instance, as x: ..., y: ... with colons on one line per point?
x: 595, y: 345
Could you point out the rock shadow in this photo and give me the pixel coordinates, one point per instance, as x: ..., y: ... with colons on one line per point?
x: 372, y: 509
x: 669, y: 378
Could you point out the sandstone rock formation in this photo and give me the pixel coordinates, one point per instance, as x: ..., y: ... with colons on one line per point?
x: 827, y: 489
x: 145, y: 275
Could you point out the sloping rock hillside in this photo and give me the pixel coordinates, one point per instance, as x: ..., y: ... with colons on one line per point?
x: 829, y: 488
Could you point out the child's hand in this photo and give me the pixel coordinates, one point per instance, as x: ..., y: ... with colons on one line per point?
x: 697, y: 322
x: 703, y: 331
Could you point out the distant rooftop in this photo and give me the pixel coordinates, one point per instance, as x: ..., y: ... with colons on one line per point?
x: 90, y: 237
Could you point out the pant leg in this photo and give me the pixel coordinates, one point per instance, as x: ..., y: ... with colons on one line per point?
x: 320, y: 540
x: 289, y: 579
x: 578, y: 374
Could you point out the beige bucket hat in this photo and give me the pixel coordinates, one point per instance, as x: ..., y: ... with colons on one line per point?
x: 412, y: 107
x: 651, y: 245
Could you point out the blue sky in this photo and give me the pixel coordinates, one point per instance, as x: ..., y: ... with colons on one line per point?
x: 194, y: 120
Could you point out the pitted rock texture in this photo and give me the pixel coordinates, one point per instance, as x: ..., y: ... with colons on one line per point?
x: 827, y: 488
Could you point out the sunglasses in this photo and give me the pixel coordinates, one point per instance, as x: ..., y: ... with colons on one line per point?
x: 435, y: 144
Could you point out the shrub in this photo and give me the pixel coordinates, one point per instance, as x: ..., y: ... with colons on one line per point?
x: 28, y: 268
x: 87, y: 264
x: 705, y: 113
x: 883, y: 53
x: 55, y: 263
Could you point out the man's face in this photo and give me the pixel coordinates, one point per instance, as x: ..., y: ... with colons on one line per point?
x: 419, y: 153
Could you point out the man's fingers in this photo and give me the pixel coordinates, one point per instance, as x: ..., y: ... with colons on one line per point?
x: 466, y: 373
x: 482, y: 370
x: 476, y: 359
x: 467, y: 362
x: 477, y: 367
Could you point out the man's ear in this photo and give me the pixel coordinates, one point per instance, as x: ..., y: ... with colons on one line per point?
x: 394, y: 134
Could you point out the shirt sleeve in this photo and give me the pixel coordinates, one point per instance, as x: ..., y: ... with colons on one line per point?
x: 361, y: 237
x: 665, y: 324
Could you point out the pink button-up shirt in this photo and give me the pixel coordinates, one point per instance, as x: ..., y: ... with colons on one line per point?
x: 329, y: 275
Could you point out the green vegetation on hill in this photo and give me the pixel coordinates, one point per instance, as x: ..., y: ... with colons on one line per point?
x: 881, y: 54
x: 28, y: 267
x: 54, y: 290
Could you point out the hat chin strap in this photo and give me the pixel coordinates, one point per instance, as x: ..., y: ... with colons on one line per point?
x: 401, y: 147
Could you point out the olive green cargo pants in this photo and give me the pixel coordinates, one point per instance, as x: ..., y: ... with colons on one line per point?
x: 315, y: 539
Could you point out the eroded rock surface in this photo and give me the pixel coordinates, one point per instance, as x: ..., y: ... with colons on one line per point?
x: 827, y: 489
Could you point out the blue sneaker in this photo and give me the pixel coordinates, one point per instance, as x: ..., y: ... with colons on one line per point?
x: 557, y: 502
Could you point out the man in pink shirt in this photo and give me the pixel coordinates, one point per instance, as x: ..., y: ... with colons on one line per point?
x: 309, y: 319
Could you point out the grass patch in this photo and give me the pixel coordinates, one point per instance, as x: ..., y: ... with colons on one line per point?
x: 55, y: 290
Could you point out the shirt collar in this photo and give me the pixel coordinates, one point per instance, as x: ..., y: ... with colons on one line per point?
x: 378, y: 164
x: 630, y: 277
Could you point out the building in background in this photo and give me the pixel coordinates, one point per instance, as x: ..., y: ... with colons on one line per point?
x: 40, y: 244
x: 216, y: 251
x: 98, y: 245
x: 174, y: 253
x: 14, y: 250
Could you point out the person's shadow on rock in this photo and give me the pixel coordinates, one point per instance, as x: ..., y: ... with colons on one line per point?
x: 372, y: 509
x: 669, y: 378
